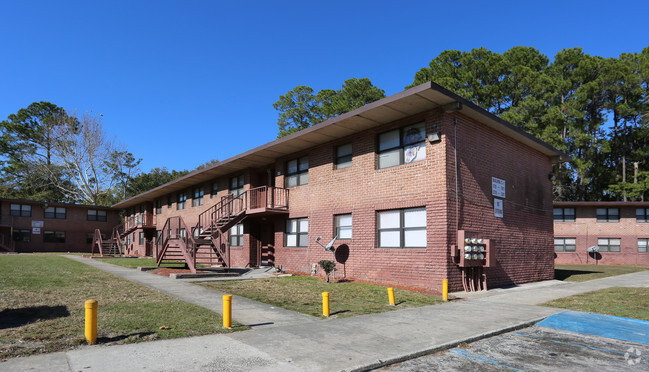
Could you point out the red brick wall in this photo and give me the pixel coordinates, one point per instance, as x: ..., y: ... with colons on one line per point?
x: 75, y: 225
x: 523, y: 237
x: 587, y: 230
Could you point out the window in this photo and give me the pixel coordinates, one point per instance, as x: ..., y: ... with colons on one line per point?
x: 344, y: 226
x: 402, y: 228
x: 608, y: 215
x: 21, y: 210
x: 22, y: 236
x: 197, y: 200
x: 236, y: 235
x: 565, y: 244
x: 297, y: 172
x: 642, y: 215
x: 344, y: 156
x: 215, y: 190
x: 96, y: 215
x: 55, y: 212
x: 608, y: 244
x: 236, y: 185
x: 564, y: 214
x: 297, y: 232
x: 141, y: 240
x: 91, y: 236
x: 170, y: 201
x: 183, y: 233
x: 54, y: 236
x: 182, y: 199
x: 643, y: 244
x: 158, y: 206
x: 402, y: 146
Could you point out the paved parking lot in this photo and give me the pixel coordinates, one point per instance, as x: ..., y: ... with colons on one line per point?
x: 540, y: 348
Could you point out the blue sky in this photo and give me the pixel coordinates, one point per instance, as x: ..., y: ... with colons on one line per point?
x: 184, y: 82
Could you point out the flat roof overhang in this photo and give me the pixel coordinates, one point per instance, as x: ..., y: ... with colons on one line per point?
x: 422, y: 98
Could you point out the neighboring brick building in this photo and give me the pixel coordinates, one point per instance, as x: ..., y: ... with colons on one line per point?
x: 383, y: 178
x: 619, y: 229
x: 33, y: 226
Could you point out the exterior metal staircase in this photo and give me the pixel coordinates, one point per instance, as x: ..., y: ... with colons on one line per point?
x: 7, y: 246
x: 109, y: 247
x: 208, y: 243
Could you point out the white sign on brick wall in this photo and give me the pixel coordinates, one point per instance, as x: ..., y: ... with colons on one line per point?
x: 37, y: 223
x: 498, y: 187
x: 36, y: 230
x: 498, y: 208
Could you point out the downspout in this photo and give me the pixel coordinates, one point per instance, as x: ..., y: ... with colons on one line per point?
x: 457, y: 197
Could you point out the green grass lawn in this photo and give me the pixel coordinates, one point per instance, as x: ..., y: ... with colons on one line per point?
x: 304, y: 294
x: 582, y: 273
x: 617, y: 301
x: 42, y: 307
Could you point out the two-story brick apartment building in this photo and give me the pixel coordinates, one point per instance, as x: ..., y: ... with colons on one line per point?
x: 398, y: 181
x: 34, y: 226
x: 620, y: 231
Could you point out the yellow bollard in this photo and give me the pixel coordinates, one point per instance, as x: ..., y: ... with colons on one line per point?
x: 91, y: 321
x: 227, y: 311
x: 391, y: 296
x: 325, y: 303
x: 445, y: 289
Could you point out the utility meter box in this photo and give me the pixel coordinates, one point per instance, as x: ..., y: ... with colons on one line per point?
x: 472, y: 250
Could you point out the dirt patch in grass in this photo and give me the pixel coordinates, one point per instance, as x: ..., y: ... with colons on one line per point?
x: 42, y: 307
x: 582, y: 273
x: 617, y: 301
x: 304, y: 294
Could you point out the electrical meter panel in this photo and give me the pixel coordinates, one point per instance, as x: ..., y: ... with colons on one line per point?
x: 472, y: 250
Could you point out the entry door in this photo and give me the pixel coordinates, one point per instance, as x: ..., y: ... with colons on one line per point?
x: 267, y: 245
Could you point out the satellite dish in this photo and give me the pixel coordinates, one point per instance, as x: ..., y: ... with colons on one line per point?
x: 329, y: 246
x: 593, y: 249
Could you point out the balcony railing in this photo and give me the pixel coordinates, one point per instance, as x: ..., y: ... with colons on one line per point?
x: 143, y: 219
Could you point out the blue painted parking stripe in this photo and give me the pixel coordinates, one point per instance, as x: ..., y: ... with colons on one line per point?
x: 618, y: 328
x: 578, y: 345
x: 494, y: 362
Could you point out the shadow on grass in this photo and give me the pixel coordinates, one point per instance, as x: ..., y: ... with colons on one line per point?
x: 12, y: 318
x: 104, y: 340
x: 561, y: 274
x: 339, y: 312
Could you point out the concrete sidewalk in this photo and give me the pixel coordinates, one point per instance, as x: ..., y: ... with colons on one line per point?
x: 307, y: 343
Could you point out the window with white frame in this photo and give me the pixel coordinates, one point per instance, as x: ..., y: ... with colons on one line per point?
x: 141, y: 238
x: 643, y: 245
x: 96, y: 215
x: 236, y: 185
x: 297, y: 172
x: 402, y: 228
x: 158, y: 206
x: 55, y: 212
x: 565, y: 244
x: 564, y: 214
x: 197, y: 200
x: 642, y: 215
x: 608, y: 215
x: 215, y: 190
x: 402, y: 146
x: 236, y: 235
x: 182, y: 199
x: 344, y: 226
x: 24, y: 236
x: 297, y: 232
x: 54, y: 236
x: 20, y: 210
x: 344, y: 156
x: 608, y: 244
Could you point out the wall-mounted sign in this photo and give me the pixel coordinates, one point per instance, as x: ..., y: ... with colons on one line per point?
x: 498, y: 208
x: 498, y: 187
x: 36, y: 230
x: 37, y: 223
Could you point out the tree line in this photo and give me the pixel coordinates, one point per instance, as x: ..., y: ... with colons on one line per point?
x: 594, y: 109
x: 48, y: 154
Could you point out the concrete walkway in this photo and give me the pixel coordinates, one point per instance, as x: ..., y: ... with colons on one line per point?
x: 298, y: 342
